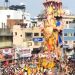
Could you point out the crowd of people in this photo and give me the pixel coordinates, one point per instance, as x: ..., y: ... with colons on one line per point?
x: 36, y: 66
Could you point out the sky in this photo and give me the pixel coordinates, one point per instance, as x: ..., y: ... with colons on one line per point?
x: 34, y: 7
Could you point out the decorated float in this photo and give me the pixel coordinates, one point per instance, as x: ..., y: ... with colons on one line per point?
x: 52, y: 31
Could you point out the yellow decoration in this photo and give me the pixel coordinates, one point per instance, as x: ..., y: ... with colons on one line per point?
x: 46, y: 23
x: 29, y: 71
x: 48, y: 31
x: 50, y: 10
x: 53, y: 23
x: 44, y: 63
x: 51, y: 65
x: 25, y: 68
x: 49, y: 19
x: 52, y: 42
x: 51, y: 31
x: 56, y: 37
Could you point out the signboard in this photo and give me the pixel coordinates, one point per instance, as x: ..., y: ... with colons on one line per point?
x: 25, y: 52
x: 38, y: 39
x: 7, y: 51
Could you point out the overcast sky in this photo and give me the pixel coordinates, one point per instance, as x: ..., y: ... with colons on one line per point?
x: 34, y: 7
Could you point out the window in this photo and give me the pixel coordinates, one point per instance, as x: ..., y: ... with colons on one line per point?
x: 66, y: 22
x: 28, y: 34
x: 24, y: 26
x: 65, y: 42
x: 65, y: 34
x: 69, y: 21
x: 73, y: 41
x: 15, y: 33
x: 42, y: 34
x: 69, y: 34
x: 20, y: 35
x: 36, y: 34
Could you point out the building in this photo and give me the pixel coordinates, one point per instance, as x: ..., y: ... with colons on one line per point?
x: 69, y: 31
x: 24, y: 37
x: 6, y: 43
x: 69, y: 35
x: 15, y: 14
x: 34, y: 22
x: 6, y: 38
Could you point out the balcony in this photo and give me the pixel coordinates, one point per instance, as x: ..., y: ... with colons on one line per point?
x: 6, y: 44
x: 69, y: 30
x: 5, y: 32
x: 69, y: 38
